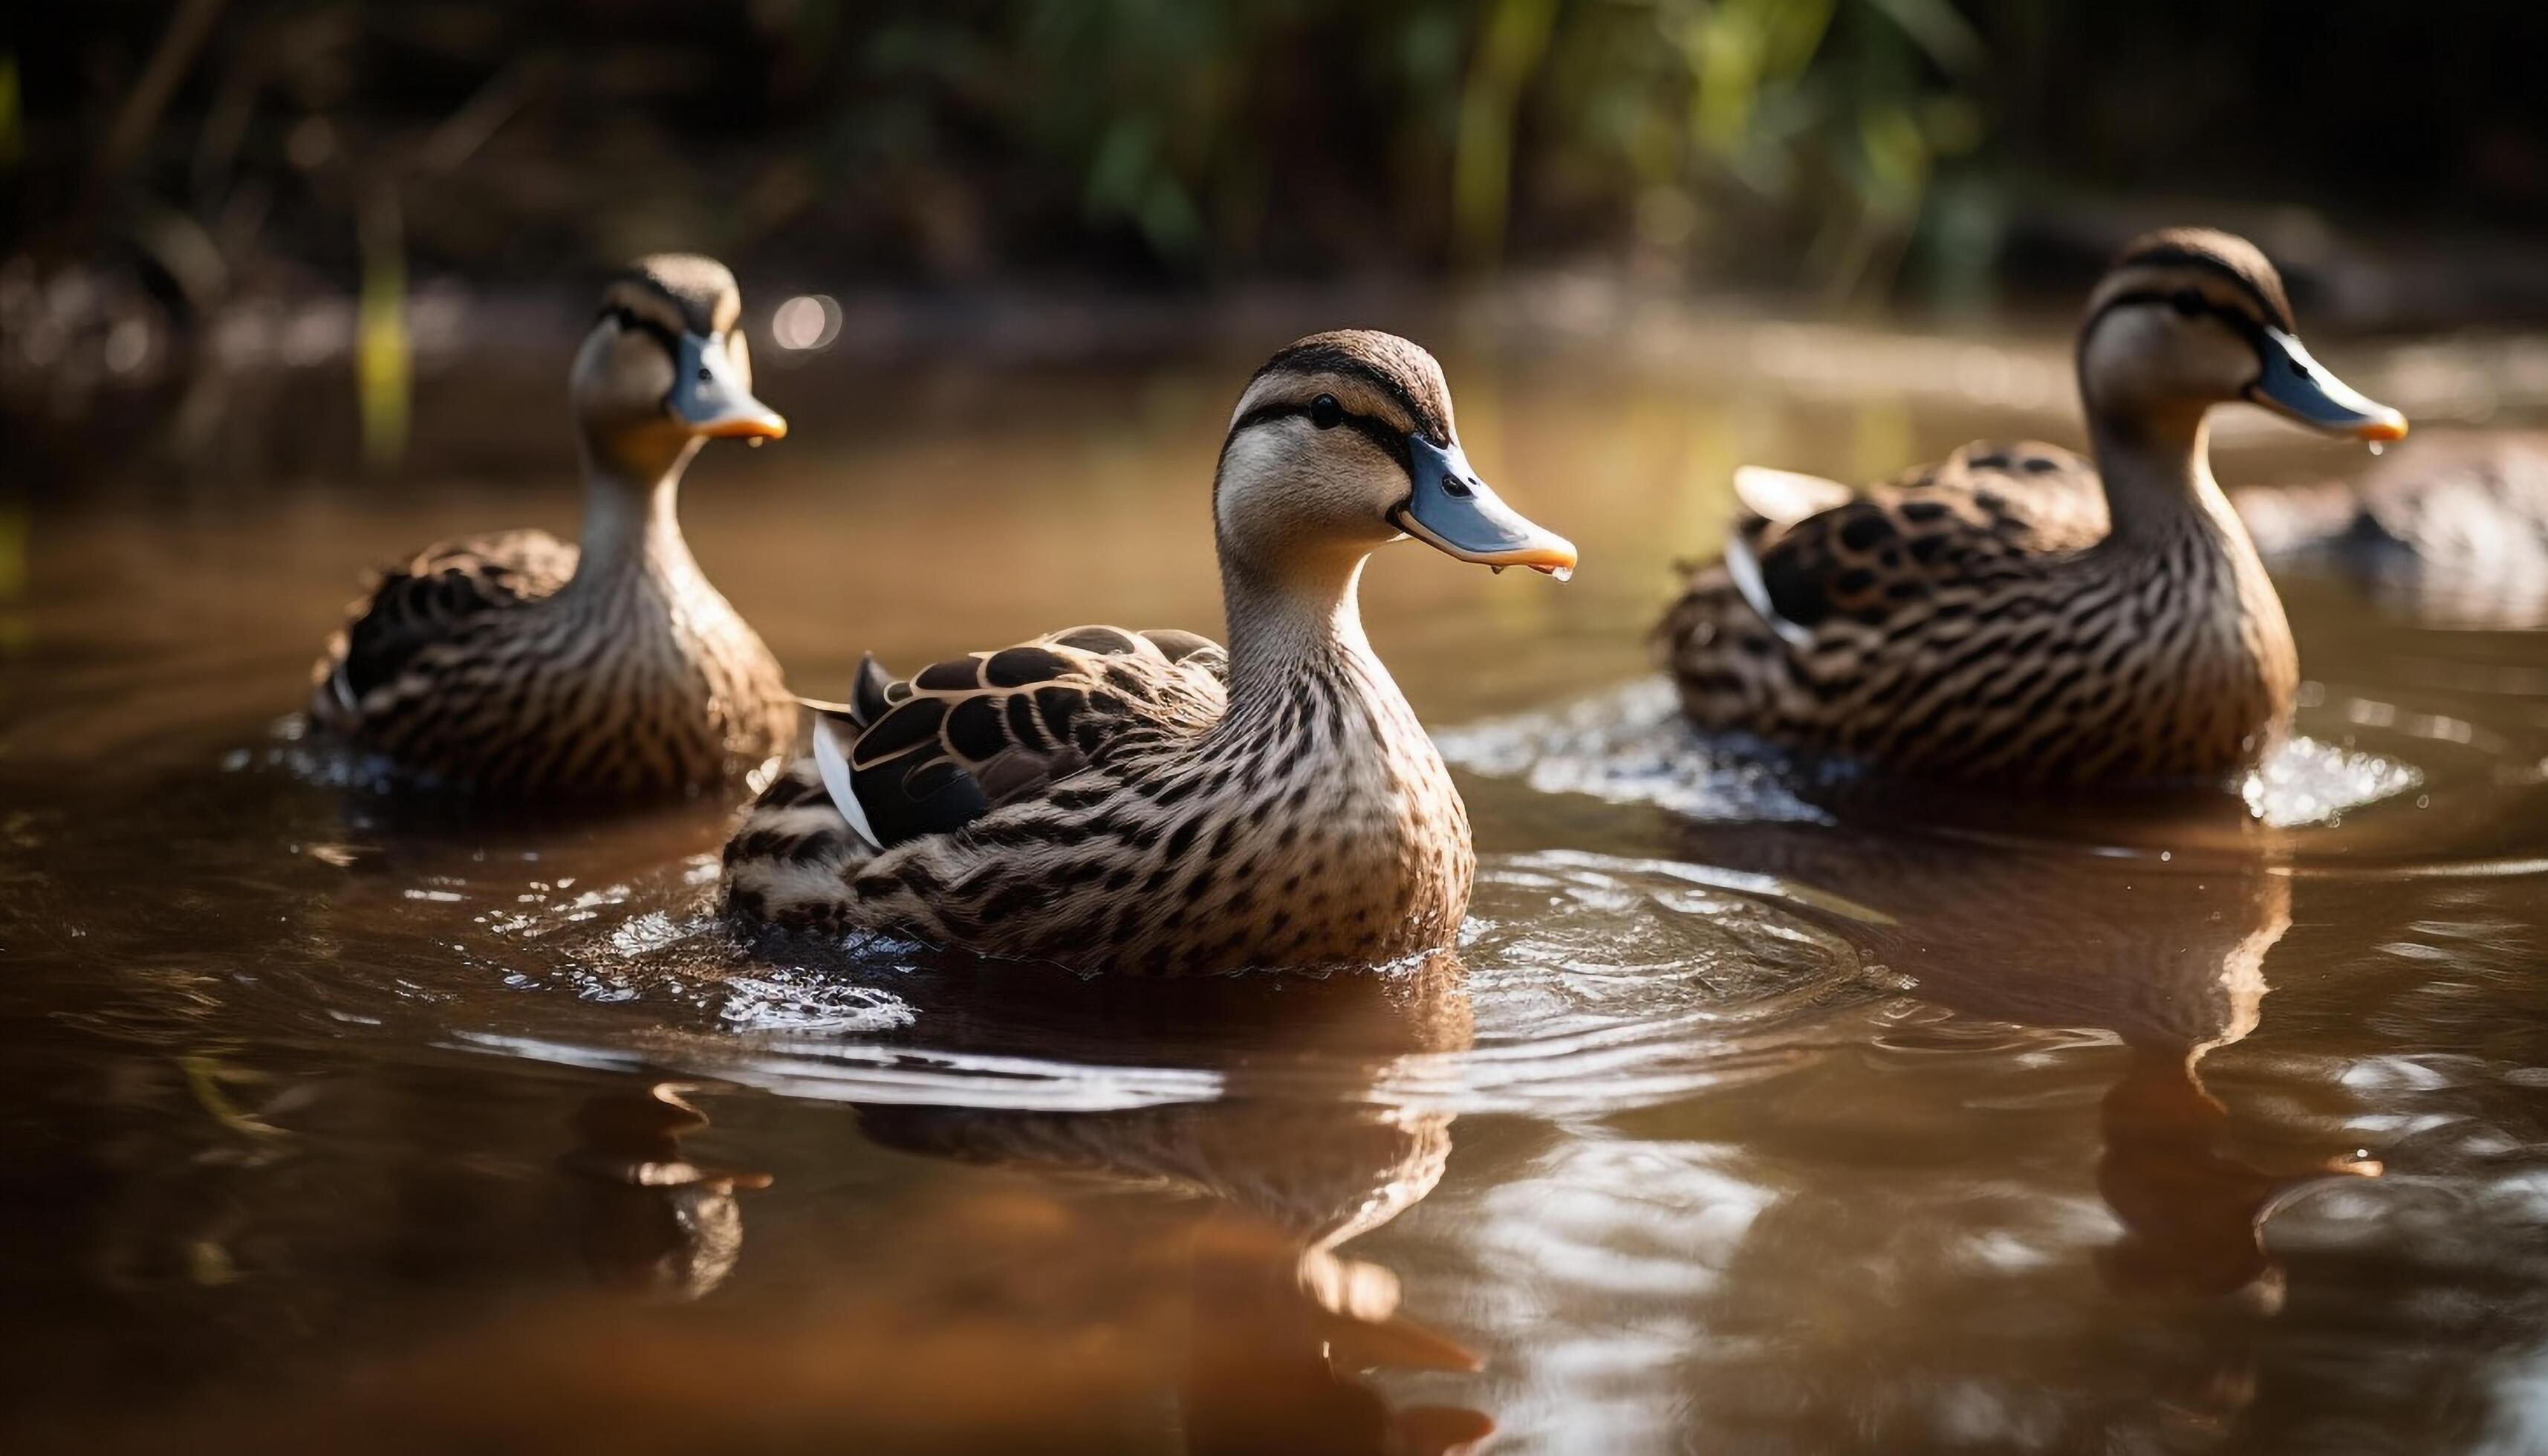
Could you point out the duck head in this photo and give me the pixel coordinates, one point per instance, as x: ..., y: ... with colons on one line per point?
x: 665, y: 367
x: 1342, y: 444
x: 2189, y: 318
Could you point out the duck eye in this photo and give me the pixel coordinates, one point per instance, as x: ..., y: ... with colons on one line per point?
x: 2186, y: 302
x: 1325, y: 413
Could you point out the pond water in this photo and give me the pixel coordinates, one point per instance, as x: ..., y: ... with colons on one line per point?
x: 1738, y: 1122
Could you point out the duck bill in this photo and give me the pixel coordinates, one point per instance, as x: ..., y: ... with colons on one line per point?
x: 712, y: 397
x: 2294, y: 385
x: 1454, y: 512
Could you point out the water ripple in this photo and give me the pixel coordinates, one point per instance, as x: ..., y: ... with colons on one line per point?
x: 1583, y: 983
x: 1632, y: 746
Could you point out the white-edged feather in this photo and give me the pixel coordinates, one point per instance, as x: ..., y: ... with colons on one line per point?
x: 834, y: 764
x: 343, y: 692
x: 1786, y: 496
x: 1744, y: 569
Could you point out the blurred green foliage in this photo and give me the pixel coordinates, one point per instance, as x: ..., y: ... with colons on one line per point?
x: 1780, y: 139
x: 1709, y: 130
x: 1787, y: 143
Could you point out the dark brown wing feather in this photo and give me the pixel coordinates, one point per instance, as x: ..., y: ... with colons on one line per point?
x: 430, y: 599
x: 1982, y: 511
x: 964, y: 735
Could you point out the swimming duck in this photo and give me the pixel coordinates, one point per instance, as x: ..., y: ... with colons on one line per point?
x: 515, y: 663
x: 2456, y: 524
x: 1145, y: 800
x: 2019, y: 615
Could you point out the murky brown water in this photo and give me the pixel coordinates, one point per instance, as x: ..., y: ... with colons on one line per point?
x: 1734, y: 1126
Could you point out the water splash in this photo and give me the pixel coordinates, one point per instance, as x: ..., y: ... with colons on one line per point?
x: 1629, y: 746
x: 2309, y: 782
x: 1591, y: 982
x: 1632, y: 746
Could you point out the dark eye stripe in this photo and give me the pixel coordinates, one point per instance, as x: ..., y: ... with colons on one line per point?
x: 2173, y: 299
x: 2246, y: 327
x: 1391, y: 440
x: 629, y: 319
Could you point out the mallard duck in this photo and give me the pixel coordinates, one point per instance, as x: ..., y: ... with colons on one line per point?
x: 1981, y: 619
x: 2459, y: 519
x: 518, y: 664
x: 1146, y: 801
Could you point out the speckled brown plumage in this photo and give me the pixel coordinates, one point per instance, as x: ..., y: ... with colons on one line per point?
x: 481, y: 666
x: 2458, y: 521
x: 971, y: 733
x: 1954, y: 627
x: 1143, y: 802
x: 2017, y: 614
x: 1307, y: 824
x: 514, y: 665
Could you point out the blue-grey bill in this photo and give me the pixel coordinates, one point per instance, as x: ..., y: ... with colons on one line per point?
x: 1452, y: 511
x: 2298, y: 386
x: 713, y: 397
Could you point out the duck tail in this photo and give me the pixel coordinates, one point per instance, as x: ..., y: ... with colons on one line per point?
x: 1722, y: 655
x: 333, y: 705
x: 788, y: 859
x: 871, y: 694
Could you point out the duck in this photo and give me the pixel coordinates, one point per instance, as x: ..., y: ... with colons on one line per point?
x: 1150, y: 801
x: 2020, y: 615
x: 517, y: 665
x: 2456, y: 524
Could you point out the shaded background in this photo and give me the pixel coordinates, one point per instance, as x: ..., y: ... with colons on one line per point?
x: 299, y: 1101
x: 164, y: 166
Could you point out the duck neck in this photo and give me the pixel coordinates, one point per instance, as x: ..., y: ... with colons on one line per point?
x: 632, y: 533
x: 1302, y: 622
x: 2157, y: 475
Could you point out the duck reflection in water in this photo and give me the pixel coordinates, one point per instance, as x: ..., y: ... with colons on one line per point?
x: 654, y: 1224
x: 1303, y: 1153
x: 2171, y: 960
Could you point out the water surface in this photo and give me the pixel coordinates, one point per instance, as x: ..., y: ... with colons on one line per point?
x: 1740, y: 1119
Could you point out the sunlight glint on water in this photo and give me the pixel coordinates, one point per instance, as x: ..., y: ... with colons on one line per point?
x: 1632, y: 746
x: 1740, y: 1122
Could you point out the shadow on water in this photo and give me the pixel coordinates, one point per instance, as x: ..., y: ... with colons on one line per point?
x: 1281, y: 1325
x: 2146, y: 927
x: 2171, y: 960
x: 653, y: 1222
x: 1784, y: 1121
x: 1278, y: 1326
x: 1190, y: 1249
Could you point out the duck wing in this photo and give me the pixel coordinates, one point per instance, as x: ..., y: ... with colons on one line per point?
x: 928, y: 754
x: 1985, y: 510
x: 431, y: 598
